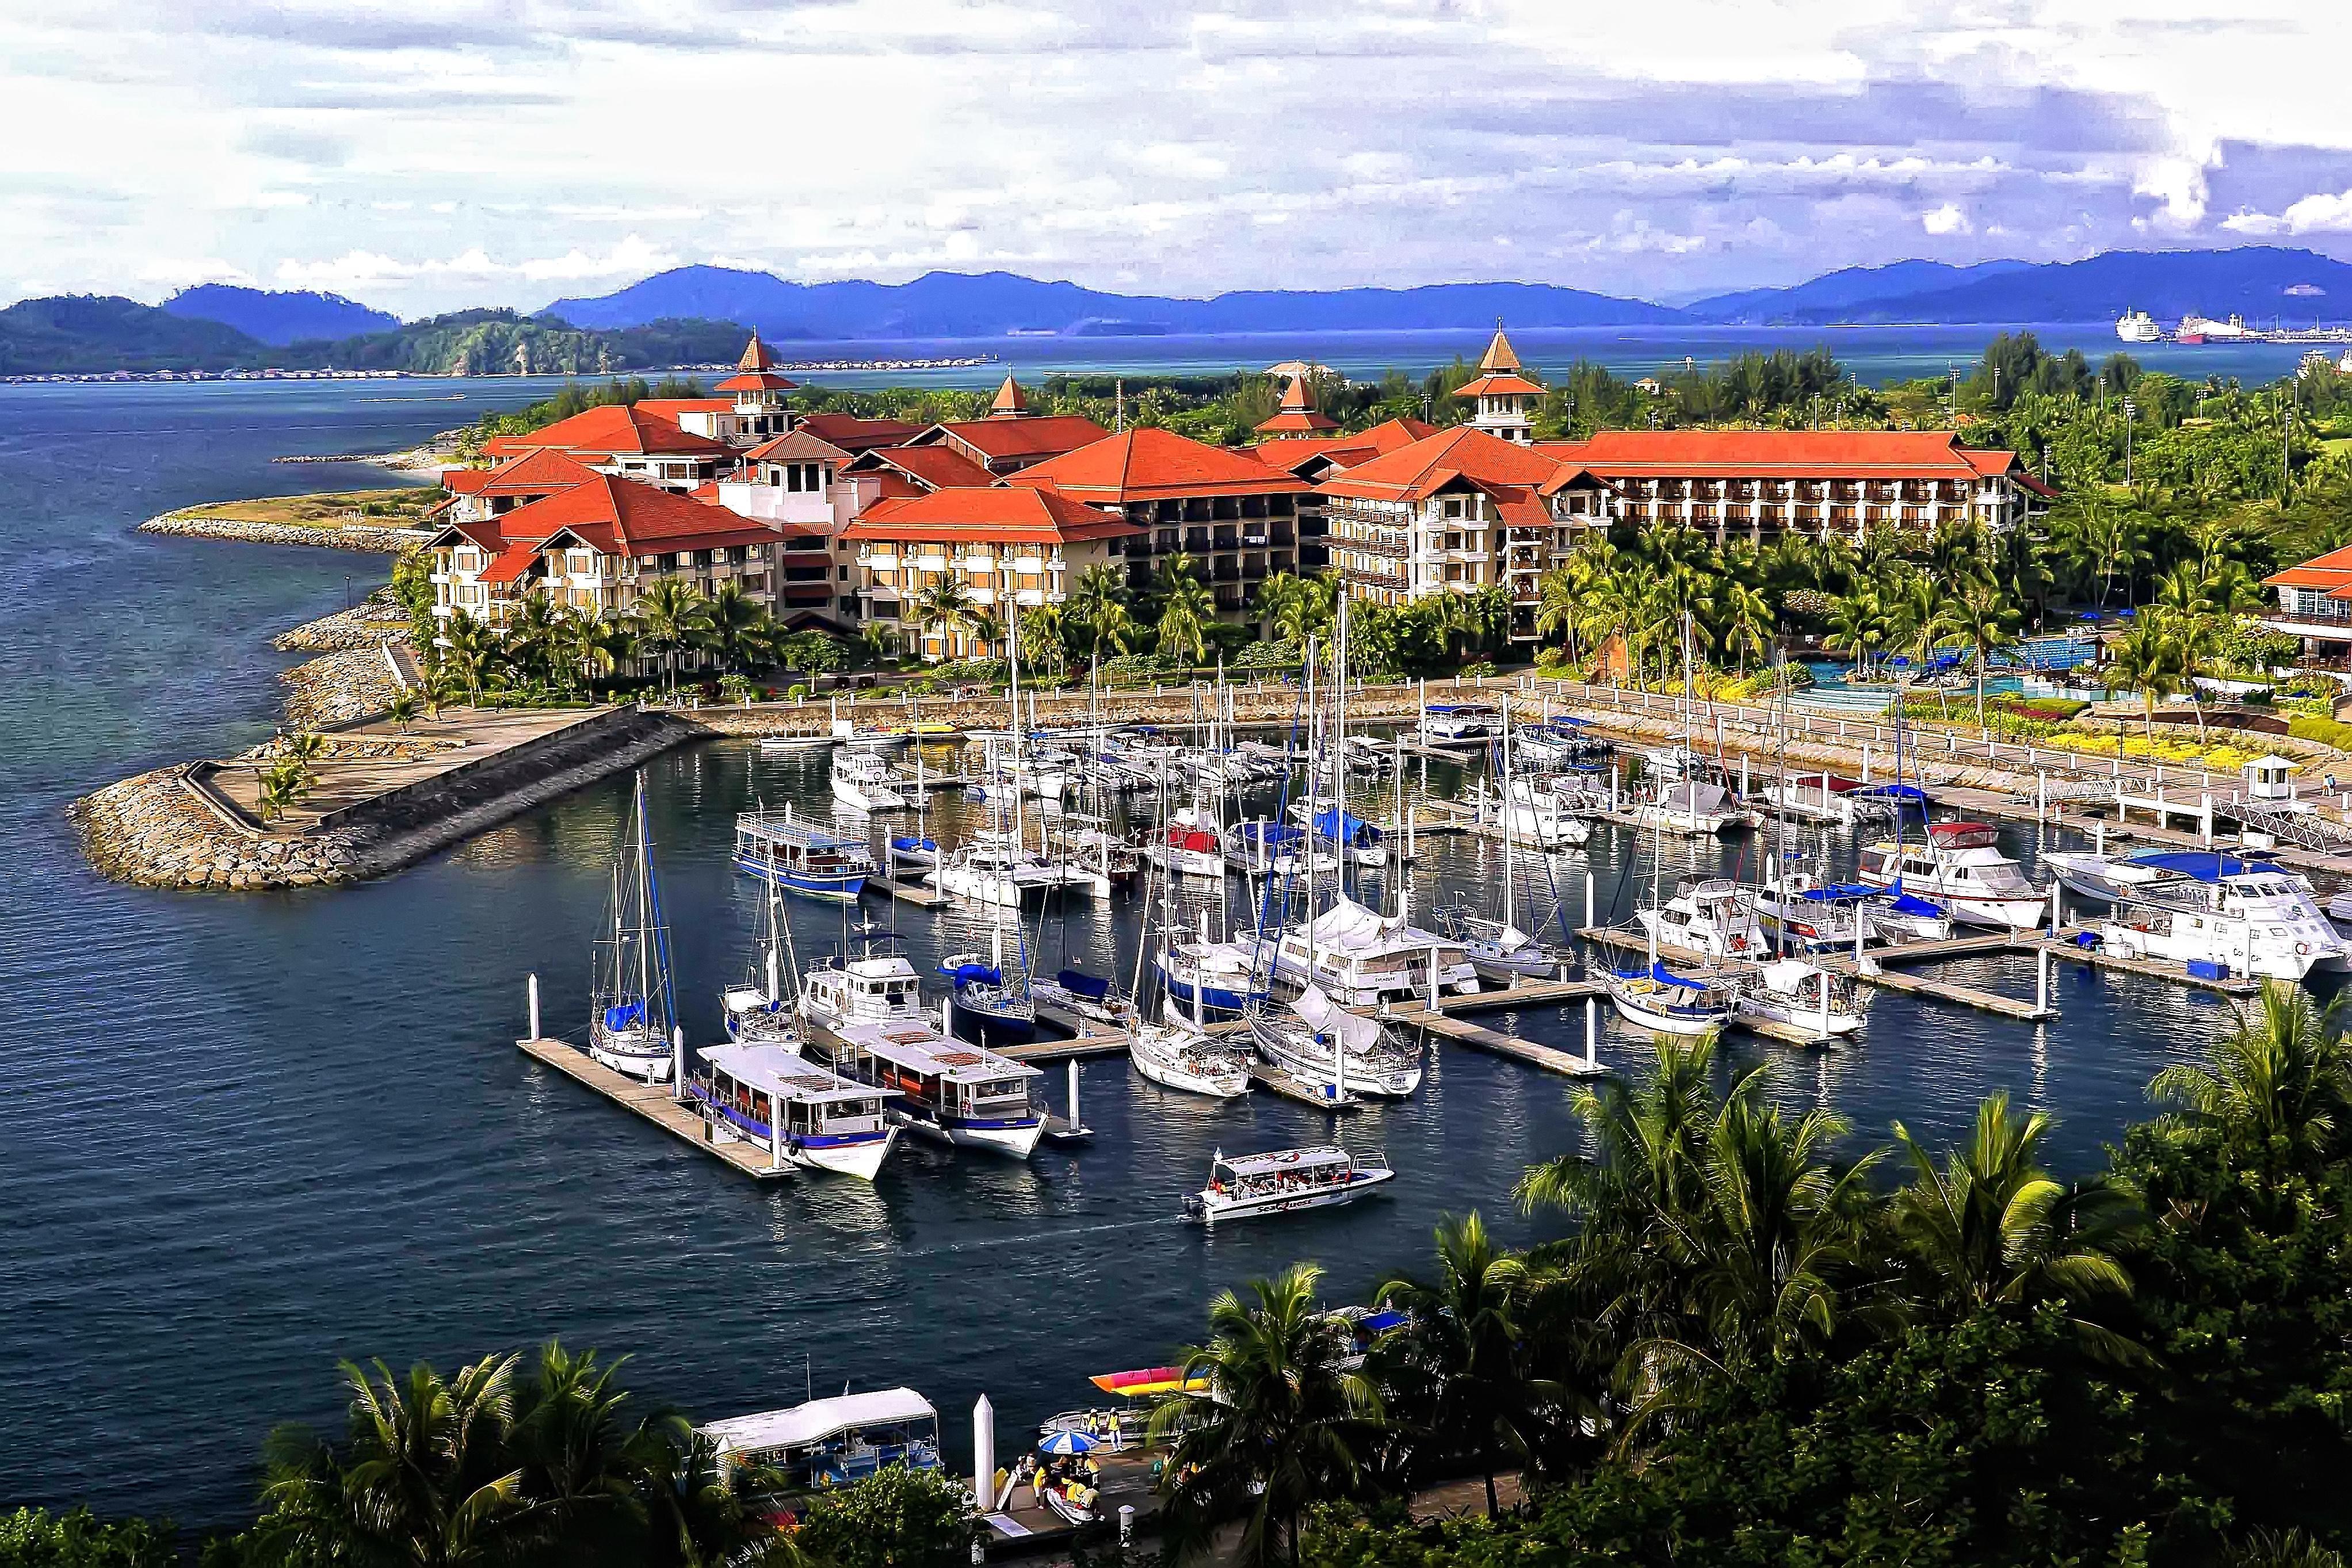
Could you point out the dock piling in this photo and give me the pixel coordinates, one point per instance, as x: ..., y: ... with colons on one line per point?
x: 677, y: 1063
x: 532, y: 987
x: 984, y: 1453
x: 1592, y: 1031
x: 1075, y: 1123
x: 1588, y: 904
x: 2042, y: 983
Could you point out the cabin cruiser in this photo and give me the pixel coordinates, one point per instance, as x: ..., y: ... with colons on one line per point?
x: 1451, y: 724
x: 1242, y: 1186
x: 863, y: 782
x: 1961, y: 869
x: 1360, y: 958
x: 1797, y: 912
x: 1664, y: 1002
x: 1278, y: 849
x: 1794, y: 999
x: 1825, y: 798
x: 1498, y: 950
x: 807, y: 1115
x: 2251, y: 916
x: 1107, y: 861
x: 1713, y: 918
x: 1692, y: 808
x: 1538, y: 817
x: 991, y: 870
x: 1177, y: 1055
x: 1332, y: 1053
x: 827, y: 1444
x: 877, y: 985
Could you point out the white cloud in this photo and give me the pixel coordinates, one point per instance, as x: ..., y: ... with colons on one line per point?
x: 176, y: 273
x: 1948, y: 219
x: 2319, y: 214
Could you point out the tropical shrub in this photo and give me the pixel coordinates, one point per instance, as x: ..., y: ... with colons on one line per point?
x: 895, y: 1518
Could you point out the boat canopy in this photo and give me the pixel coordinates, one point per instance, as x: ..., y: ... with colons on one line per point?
x: 1905, y: 904
x: 978, y: 975
x: 1911, y: 792
x: 1275, y: 1161
x: 2204, y: 865
x: 1326, y: 1016
x: 1784, y: 976
x: 818, y: 1419
x: 1078, y: 982
x: 1345, y: 827
x: 1695, y: 797
x: 1191, y: 840
x: 769, y: 829
x: 922, y: 1051
x: 1839, y: 892
x: 773, y: 1070
x: 628, y: 1015
x: 1472, y: 710
x: 1666, y: 977
x: 1963, y: 835
x: 1273, y: 834
x: 1380, y: 1322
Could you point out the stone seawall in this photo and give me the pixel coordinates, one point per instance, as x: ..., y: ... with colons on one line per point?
x: 365, y: 540
x: 338, y: 688
x: 166, y: 829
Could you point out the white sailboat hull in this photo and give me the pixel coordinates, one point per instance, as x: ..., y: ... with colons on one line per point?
x: 1160, y: 1060
x: 867, y: 796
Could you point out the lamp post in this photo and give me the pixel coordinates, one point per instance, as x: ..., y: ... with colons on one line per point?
x: 2130, y: 410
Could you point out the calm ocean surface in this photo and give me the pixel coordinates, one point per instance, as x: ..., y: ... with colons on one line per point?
x: 241, y: 1137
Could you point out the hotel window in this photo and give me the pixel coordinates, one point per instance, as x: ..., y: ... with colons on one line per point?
x: 579, y: 562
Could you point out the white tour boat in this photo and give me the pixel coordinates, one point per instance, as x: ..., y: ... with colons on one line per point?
x: 960, y: 1094
x: 1961, y: 869
x: 1452, y: 724
x: 805, y: 1114
x: 1242, y: 1186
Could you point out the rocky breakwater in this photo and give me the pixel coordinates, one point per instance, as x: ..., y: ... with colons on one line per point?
x: 340, y: 688
x: 368, y: 624
x: 166, y: 829
x: 367, y: 540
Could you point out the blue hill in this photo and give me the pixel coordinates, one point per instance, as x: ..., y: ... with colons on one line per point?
x: 988, y: 305
x: 1842, y: 289
x: 279, y: 318
x: 2260, y: 282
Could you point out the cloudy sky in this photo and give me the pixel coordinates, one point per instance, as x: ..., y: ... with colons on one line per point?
x: 424, y: 154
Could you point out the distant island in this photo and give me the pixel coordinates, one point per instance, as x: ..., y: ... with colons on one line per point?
x: 699, y: 315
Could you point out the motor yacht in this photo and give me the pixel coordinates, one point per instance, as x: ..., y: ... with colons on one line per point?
x: 2248, y: 916
x: 1713, y: 918
x: 1361, y: 957
x: 863, y: 782
x: 1960, y: 869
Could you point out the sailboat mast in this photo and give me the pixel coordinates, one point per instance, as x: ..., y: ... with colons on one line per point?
x: 1510, y: 808
x: 1013, y: 689
x: 1307, y: 840
x: 645, y: 904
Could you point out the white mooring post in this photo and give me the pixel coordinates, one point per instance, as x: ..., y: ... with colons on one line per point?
x: 983, y: 1454
x: 531, y: 988
x: 678, y: 1061
x: 2042, y: 984
x: 1126, y: 1525
x: 2041, y: 795
x: 775, y: 1134
x: 1743, y: 776
x: 1592, y: 1031
x: 1868, y: 757
x: 2057, y: 909
x: 1588, y: 900
x: 1075, y: 1123
x: 2099, y: 838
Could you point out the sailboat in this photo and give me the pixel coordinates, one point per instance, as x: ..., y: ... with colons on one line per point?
x: 1179, y: 1053
x: 629, y: 1028
x: 1498, y: 949
x: 1657, y: 998
x: 762, y: 1011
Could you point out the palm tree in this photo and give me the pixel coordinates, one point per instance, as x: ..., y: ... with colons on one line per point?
x: 605, y: 644
x: 578, y: 1458
x: 403, y: 708
x: 2145, y: 658
x: 424, y: 1480
x: 1464, y: 1334
x: 876, y: 643
x: 1486, y: 616
x: 2278, y: 1084
x: 531, y: 639
x: 1303, y: 611
x: 943, y: 609
x: 1980, y: 619
x: 1856, y: 624
x: 1186, y: 609
x: 1042, y: 647
x: 2196, y: 654
x: 1275, y: 1423
x: 734, y: 627
x: 669, y: 618
x: 1558, y: 607
x: 1097, y: 600
x: 1747, y: 621
x: 1273, y: 595
x: 1991, y: 1227
x: 471, y: 647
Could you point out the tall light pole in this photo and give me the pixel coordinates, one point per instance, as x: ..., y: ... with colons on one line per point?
x: 2130, y: 410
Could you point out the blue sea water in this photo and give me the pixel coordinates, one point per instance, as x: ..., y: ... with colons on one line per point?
x: 244, y: 1136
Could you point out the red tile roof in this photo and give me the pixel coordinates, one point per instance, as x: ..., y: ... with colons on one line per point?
x: 1152, y: 465
x: 465, y: 481
x: 1499, y: 355
x: 617, y: 428
x: 755, y: 381
x: 1296, y: 453
x: 669, y: 408
x: 1044, y: 436
x: 510, y: 564
x: 851, y: 433
x: 1010, y: 399
x: 930, y: 467
x: 1781, y: 453
x: 622, y: 517
x: 538, y: 472
x: 755, y: 355
x: 796, y: 446
x: 2332, y: 571
x: 1499, y: 385
x: 1417, y: 470
x: 1002, y: 514
x: 1297, y: 414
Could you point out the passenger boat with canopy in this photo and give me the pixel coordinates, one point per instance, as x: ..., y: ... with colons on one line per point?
x: 805, y: 1114
x: 1283, y: 1181
x: 631, y: 1024
x: 800, y: 856
x: 956, y: 1093
x: 1451, y: 724
x: 827, y: 1444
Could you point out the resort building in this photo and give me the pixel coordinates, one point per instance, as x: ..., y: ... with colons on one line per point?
x: 1456, y: 512
x: 596, y: 546
x: 627, y: 442
x: 1010, y: 546
x: 918, y: 470
x: 1234, y: 516
x: 2315, y: 604
x: 1503, y: 400
x: 1756, y: 483
x: 1318, y: 458
x: 1296, y: 416
x: 1010, y: 438
x: 854, y: 434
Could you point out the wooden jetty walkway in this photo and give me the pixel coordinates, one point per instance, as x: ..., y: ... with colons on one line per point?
x: 653, y: 1102
x: 1881, y: 967
x: 1478, y: 1037
x: 914, y: 893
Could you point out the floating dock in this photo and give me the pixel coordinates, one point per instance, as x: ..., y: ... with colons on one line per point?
x: 652, y: 1101
x: 1880, y: 967
x: 1477, y: 1036
x: 914, y: 893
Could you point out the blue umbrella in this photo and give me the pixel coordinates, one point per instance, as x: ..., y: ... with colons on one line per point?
x: 1068, y: 1443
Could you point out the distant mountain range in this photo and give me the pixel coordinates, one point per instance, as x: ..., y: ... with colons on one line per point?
x: 280, y: 318
x: 689, y: 315
x: 994, y: 303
